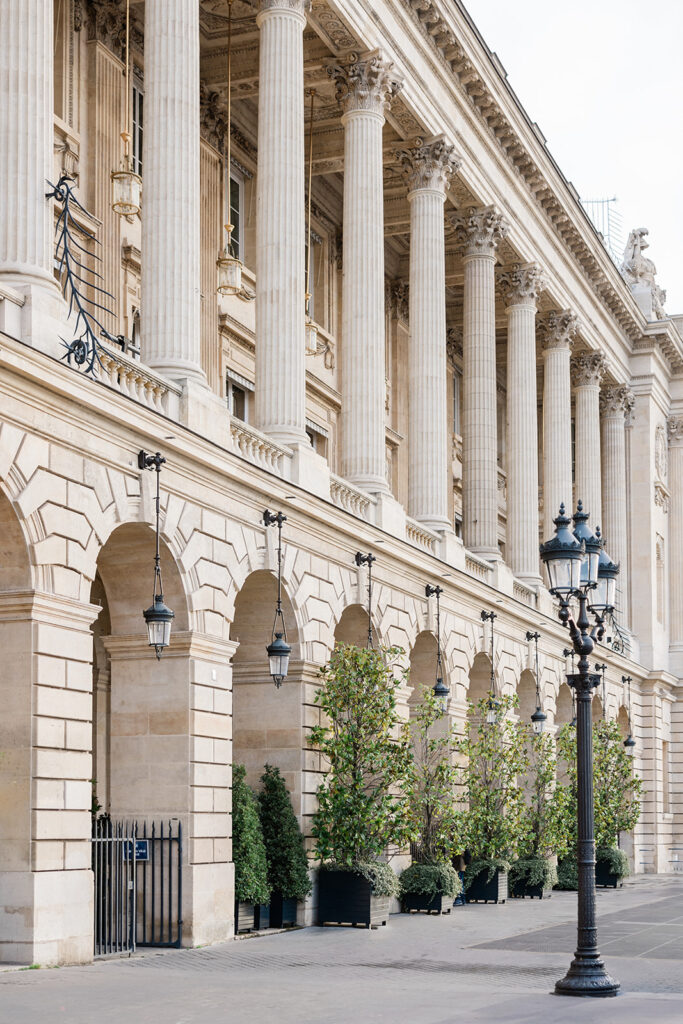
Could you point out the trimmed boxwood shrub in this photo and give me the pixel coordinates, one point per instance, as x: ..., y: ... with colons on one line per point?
x: 286, y: 859
x: 531, y: 873
x: 489, y: 865
x: 382, y: 878
x: 567, y: 874
x: 248, y: 849
x: 430, y: 880
x: 613, y: 860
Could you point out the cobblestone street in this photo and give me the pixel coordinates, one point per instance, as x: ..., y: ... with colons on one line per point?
x: 483, y: 963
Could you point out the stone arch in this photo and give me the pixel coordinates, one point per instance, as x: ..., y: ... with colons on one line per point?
x: 15, y: 564
x: 267, y: 722
x: 480, y: 678
x: 564, y: 707
x: 596, y: 708
x: 623, y: 721
x: 352, y: 627
x: 526, y: 692
x: 422, y: 660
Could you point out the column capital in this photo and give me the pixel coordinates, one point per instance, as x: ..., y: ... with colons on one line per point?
x: 429, y: 164
x: 558, y: 328
x: 365, y: 82
x: 299, y: 7
x: 522, y: 283
x: 675, y: 431
x: 616, y: 401
x: 587, y: 369
x: 479, y: 229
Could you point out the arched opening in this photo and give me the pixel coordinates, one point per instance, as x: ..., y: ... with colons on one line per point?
x: 596, y: 708
x: 267, y: 723
x: 623, y: 722
x: 526, y: 692
x: 423, y: 666
x: 480, y: 682
x: 141, y: 706
x: 565, y: 706
x: 352, y: 627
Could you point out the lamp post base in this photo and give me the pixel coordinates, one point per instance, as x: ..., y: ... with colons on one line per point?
x: 587, y: 977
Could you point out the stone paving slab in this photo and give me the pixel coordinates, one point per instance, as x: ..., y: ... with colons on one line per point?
x: 468, y: 967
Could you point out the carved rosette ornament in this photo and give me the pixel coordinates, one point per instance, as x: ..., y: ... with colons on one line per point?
x: 675, y: 431
x: 587, y: 369
x: 522, y: 284
x: 558, y: 329
x: 429, y: 164
x: 479, y: 230
x: 366, y: 82
x: 616, y: 401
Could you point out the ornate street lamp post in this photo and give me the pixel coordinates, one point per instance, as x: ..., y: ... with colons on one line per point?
x: 440, y: 691
x: 278, y: 650
x: 158, y: 617
x: 573, y: 571
x: 539, y: 717
x: 492, y: 707
x: 629, y: 742
x: 361, y: 559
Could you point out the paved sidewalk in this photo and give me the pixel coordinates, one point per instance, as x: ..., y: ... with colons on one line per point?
x: 483, y: 963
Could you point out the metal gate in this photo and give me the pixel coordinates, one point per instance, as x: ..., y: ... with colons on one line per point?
x: 138, y: 885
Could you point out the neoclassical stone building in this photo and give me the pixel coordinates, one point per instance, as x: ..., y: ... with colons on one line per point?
x: 479, y: 359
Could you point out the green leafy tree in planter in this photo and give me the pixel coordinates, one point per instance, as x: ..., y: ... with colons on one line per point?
x: 544, y: 826
x: 495, y: 825
x: 432, y: 785
x: 361, y: 809
x: 616, y: 794
x: 248, y: 849
x: 284, y: 844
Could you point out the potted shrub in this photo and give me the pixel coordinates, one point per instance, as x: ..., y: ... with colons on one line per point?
x: 430, y: 887
x: 285, y: 853
x: 431, y: 883
x: 248, y: 854
x: 361, y: 811
x: 534, y: 873
x: 616, y: 794
x: 494, y: 824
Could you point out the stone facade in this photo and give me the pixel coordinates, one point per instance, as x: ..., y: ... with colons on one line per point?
x: 450, y: 292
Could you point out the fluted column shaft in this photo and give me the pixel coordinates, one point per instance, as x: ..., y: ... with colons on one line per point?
x: 170, y: 307
x: 587, y: 369
x: 558, y: 331
x: 614, y: 405
x: 522, y: 285
x: 364, y: 87
x: 427, y: 169
x: 676, y: 530
x: 480, y: 230
x: 26, y: 141
x: 280, y: 224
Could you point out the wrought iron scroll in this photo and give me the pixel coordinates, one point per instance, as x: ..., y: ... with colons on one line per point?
x: 84, y: 348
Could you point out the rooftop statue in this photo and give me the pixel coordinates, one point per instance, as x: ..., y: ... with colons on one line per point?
x: 639, y: 273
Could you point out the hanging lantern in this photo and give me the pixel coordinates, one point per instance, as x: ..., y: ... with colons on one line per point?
x: 228, y: 265
x: 440, y: 690
x: 538, y: 720
x: 126, y: 185
x: 158, y: 616
x: 491, y: 710
x: 279, y: 653
x: 311, y: 333
x: 278, y: 650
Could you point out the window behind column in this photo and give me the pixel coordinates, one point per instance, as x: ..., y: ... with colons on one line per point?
x: 137, y: 113
x: 235, y: 199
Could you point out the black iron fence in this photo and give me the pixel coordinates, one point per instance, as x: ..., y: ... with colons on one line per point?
x: 138, y: 885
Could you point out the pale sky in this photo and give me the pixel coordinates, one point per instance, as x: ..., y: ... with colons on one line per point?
x: 604, y: 81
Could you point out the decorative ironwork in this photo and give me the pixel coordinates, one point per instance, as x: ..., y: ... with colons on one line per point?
x: 84, y: 349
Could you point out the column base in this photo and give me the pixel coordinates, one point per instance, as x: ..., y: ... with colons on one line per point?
x: 34, y: 312
x: 489, y: 554
x: 587, y: 977
x: 531, y: 579
x: 46, y: 917
x: 436, y: 523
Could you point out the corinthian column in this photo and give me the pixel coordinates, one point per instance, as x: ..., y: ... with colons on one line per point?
x: 428, y: 168
x: 364, y: 87
x: 587, y: 370
x: 521, y: 286
x: 169, y: 309
x: 675, y: 426
x: 479, y: 231
x: 615, y: 404
x: 280, y: 223
x: 26, y: 140
x: 557, y: 332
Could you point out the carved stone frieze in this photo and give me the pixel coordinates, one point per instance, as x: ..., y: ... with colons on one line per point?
x: 661, y: 453
x: 616, y: 401
x: 587, y: 369
x: 479, y: 229
x: 675, y: 430
x: 428, y: 164
x: 366, y: 82
x: 333, y: 27
x: 558, y: 328
x: 522, y: 283
x: 454, y: 344
x: 396, y: 299
x: 662, y: 496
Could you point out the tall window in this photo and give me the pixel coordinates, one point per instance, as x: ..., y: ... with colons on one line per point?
x: 236, y: 201
x: 239, y: 394
x: 137, y: 128
x: 457, y: 401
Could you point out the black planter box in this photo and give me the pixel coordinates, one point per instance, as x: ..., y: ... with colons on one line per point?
x: 282, y: 912
x: 493, y: 890
x: 520, y: 889
x: 245, y: 917
x: 346, y: 898
x: 263, y: 916
x: 431, y: 904
x: 605, y: 877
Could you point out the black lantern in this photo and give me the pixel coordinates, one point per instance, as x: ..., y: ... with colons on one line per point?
x: 603, y: 598
x: 539, y: 717
x: 563, y: 557
x: 278, y: 650
x: 592, y: 545
x: 361, y: 559
x: 158, y: 616
x: 440, y: 690
x: 493, y: 704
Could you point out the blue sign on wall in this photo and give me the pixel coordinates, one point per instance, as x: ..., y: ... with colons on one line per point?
x: 141, y: 849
